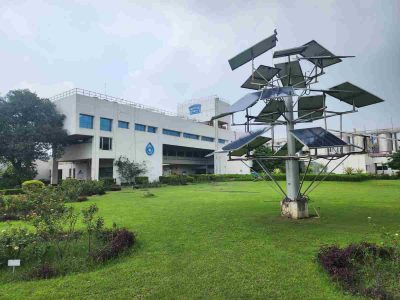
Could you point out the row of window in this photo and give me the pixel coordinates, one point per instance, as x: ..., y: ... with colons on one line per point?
x: 86, y: 121
x: 192, y: 136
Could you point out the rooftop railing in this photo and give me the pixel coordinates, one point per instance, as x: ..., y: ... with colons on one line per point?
x: 78, y: 91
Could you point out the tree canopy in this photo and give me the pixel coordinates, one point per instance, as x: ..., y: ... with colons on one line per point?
x: 394, y: 161
x: 30, y: 127
x: 129, y: 170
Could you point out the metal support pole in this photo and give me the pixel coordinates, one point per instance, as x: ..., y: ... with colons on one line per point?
x: 292, y: 166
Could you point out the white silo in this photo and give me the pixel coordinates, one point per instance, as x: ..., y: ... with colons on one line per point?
x: 385, y: 142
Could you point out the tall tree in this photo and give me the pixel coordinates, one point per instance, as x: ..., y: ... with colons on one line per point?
x: 30, y: 127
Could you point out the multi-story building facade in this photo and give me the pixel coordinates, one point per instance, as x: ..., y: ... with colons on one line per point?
x: 103, y: 128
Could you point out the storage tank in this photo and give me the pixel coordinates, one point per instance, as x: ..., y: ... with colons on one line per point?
x: 385, y: 142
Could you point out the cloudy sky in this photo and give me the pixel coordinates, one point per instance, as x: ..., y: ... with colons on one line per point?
x: 163, y: 52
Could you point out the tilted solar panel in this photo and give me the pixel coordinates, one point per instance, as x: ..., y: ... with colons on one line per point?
x: 310, y: 107
x: 349, y: 93
x: 251, y: 99
x: 293, y: 72
x: 283, y: 151
x: 257, y: 142
x: 287, y: 52
x: 315, y: 49
x: 260, y: 77
x: 243, y: 103
x: 253, y: 52
x: 271, y: 112
x: 239, y: 143
x: 317, y: 137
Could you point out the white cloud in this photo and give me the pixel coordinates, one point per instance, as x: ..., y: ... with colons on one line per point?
x: 15, y: 25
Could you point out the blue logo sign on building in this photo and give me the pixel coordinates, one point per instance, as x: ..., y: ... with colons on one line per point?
x: 149, y: 149
x: 195, y: 109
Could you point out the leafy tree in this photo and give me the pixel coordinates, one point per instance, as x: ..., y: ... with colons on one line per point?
x: 129, y: 170
x: 394, y: 161
x: 29, y: 128
x: 270, y: 164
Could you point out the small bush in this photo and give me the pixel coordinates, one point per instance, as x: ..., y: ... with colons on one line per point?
x: 42, y: 272
x: 32, y: 184
x: 119, y: 241
x: 11, y: 192
x: 15, y: 207
x: 176, y: 179
x: 365, y: 269
x: 108, y: 182
x: 142, y: 180
x: 115, y: 187
x: 92, y: 187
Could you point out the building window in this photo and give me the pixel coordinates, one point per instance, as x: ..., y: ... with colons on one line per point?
x: 105, y: 143
x: 171, y: 132
x: 222, y: 141
x: 105, y: 124
x: 140, y: 127
x: 105, y: 172
x: 85, y: 121
x: 190, y: 136
x: 151, y: 129
x: 123, y: 124
x: 207, y: 139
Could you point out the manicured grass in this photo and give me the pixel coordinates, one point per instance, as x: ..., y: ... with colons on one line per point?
x: 225, y: 240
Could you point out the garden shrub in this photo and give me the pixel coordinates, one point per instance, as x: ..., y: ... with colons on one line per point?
x: 92, y: 187
x: 142, y: 180
x: 115, y: 187
x: 176, y: 179
x: 54, y: 247
x: 11, y: 192
x: 72, y: 188
x: 32, y: 184
x: 365, y: 269
x: 15, y: 207
x: 108, y: 182
x: 119, y: 240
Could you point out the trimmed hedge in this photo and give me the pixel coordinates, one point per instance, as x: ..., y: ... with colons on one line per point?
x: 176, y: 179
x: 32, y: 184
x: 183, y: 179
x: 11, y: 192
x: 142, y: 180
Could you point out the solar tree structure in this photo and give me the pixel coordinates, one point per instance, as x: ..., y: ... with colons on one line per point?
x: 287, y: 99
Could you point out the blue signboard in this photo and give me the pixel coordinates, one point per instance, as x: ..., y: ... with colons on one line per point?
x: 195, y: 109
x: 149, y: 149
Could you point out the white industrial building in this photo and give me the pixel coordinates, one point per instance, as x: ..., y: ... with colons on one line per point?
x: 102, y: 128
x: 380, y: 144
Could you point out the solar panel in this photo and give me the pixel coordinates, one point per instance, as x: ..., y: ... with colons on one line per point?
x: 315, y: 49
x: 307, y: 107
x: 249, y: 100
x: 257, y: 142
x: 349, y: 93
x: 283, y: 151
x: 317, y: 137
x: 243, y: 103
x: 291, y: 51
x: 271, y: 112
x: 243, y: 141
x: 294, y: 70
x: 253, y: 52
x: 260, y: 77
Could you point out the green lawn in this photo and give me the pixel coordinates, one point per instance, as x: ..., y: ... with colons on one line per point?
x: 225, y: 240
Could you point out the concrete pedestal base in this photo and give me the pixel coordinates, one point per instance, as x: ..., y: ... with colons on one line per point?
x: 294, y: 209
